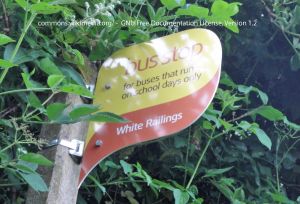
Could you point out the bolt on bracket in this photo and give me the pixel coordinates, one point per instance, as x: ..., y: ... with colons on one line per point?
x: 76, y: 147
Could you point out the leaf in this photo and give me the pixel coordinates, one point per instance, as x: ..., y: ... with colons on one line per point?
x: 45, y: 8
x: 289, y: 161
x: 194, y: 10
x: 198, y: 201
x: 222, y: 12
x: 22, y: 55
x: 295, y: 62
x: 179, y: 142
x: 219, y: 7
x: 78, y: 57
x: 69, y: 71
x: 247, y: 89
x: 233, y: 8
x: 226, y: 80
x: 297, y: 14
x: 49, y: 67
x: 230, y: 24
x: 209, y: 116
x: 29, y: 83
x: 215, y: 172
x: 4, y: 122
x: 150, y: 11
x: 140, y: 35
x: 224, y: 189
x: 101, y: 187
x: 291, y: 124
x: 106, y: 117
x: 207, y: 125
x: 61, y: 2
x: 76, y: 89
x: 157, y: 29
x: 244, y: 125
x: 98, y: 194
x: 55, y: 110
x: 54, y: 80
x: 222, y: 8
x: 162, y: 184
x: 239, y: 194
x: 171, y: 4
x: 35, y: 181
x: 99, y: 52
x: 25, y: 169
x: 161, y: 11
x: 82, y: 110
x: 22, y: 4
x: 34, y: 101
x: 147, y: 177
x: 29, y: 165
x: 228, y: 99
x: 193, y: 190
x: 278, y: 197
x: 226, y: 124
x: 129, y: 196
x: 36, y: 158
x: 140, y: 173
x: 226, y: 21
x: 73, y: 56
x: 270, y: 113
x: 4, y: 39
x: 111, y: 164
x: 138, y: 2
x: 6, y: 64
x: 244, y: 89
x: 262, y: 137
x: 227, y: 181
x: 263, y: 96
x: 181, y: 197
x: 127, y: 168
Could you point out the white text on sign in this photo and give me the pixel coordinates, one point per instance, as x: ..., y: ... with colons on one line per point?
x: 149, y: 123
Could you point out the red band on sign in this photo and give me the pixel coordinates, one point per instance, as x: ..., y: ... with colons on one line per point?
x: 147, y: 124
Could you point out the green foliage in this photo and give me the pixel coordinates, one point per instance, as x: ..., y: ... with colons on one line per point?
x: 242, y: 150
x: 219, y: 13
x: 36, y: 159
x: 54, y: 80
x: 270, y: 113
x: 286, y: 16
x: 45, y: 8
x: 27, y: 166
x: 5, y: 64
x: 4, y: 39
x: 227, y: 151
x: 194, y: 10
x: 82, y: 110
x: 31, y: 177
x: 171, y: 4
x: 215, y: 172
x: 57, y: 113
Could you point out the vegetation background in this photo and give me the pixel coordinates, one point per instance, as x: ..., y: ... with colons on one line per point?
x: 244, y: 149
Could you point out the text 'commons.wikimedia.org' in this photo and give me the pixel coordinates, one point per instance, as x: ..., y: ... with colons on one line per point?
x: 139, y: 23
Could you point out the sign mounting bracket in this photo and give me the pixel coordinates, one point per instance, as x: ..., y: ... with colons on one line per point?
x: 76, y: 147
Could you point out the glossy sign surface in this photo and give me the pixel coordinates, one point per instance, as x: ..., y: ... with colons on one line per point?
x: 161, y: 87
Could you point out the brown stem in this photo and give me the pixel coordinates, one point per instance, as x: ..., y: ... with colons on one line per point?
x: 6, y: 19
x: 269, y: 11
x: 9, y: 110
